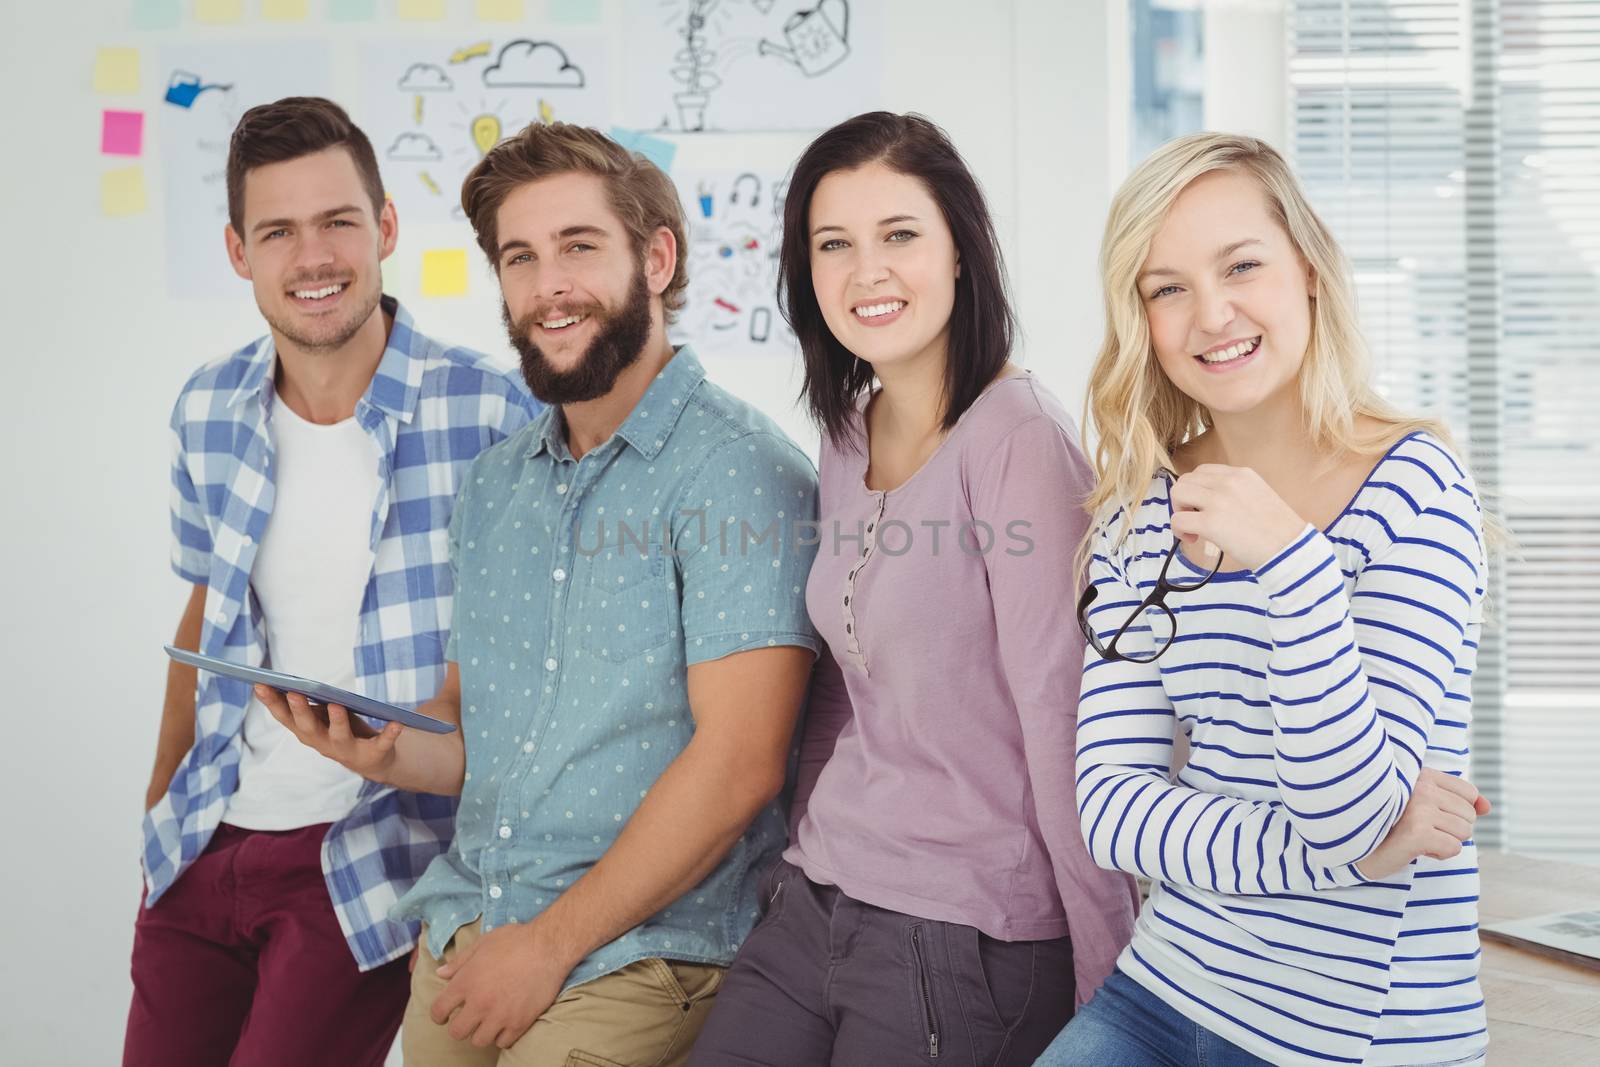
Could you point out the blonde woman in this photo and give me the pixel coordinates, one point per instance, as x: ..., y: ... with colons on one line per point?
x: 1292, y: 572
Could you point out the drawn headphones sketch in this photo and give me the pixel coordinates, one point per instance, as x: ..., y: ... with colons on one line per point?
x: 755, y: 195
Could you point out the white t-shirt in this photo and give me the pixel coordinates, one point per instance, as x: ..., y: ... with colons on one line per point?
x: 309, y: 576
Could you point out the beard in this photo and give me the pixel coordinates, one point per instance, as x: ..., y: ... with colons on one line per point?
x: 618, y: 343
x: 332, y: 333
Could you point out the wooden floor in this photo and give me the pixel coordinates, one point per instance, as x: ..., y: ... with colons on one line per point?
x: 1541, y: 1011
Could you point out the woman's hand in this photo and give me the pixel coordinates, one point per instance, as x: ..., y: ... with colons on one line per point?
x: 1437, y: 821
x: 1234, y: 510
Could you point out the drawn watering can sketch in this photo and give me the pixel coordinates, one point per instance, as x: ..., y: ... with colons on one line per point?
x: 818, y: 38
x: 183, y: 88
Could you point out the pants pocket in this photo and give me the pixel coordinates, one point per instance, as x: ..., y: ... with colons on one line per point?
x: 577, y: 1058
x: 1007, y: 973
x: 922, y: 982
x: 687, y: 983
x: 771, y: 889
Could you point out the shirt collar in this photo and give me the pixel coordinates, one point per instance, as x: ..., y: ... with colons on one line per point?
x: 649, y: 423
x: 395, y: 385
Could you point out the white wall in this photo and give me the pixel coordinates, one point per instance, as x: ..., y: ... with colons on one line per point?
x: 1245, y: 50
x: 94, y: 353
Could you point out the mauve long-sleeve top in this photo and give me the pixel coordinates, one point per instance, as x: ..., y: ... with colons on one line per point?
x: 938, y: 757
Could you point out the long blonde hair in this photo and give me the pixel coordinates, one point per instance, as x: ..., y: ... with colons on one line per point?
x: 1139, y: 417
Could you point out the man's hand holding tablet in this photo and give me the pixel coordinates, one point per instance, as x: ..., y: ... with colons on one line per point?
x: 428, y: 758
x: 406, y: 759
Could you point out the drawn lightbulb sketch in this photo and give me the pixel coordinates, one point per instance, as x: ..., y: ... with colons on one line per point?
x: 485, y: 132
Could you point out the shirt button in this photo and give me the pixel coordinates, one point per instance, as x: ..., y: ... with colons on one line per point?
x: 527, y: 746
x: 559, y: 575
x: 505, y: 831
x: 561, y: 489
x: 494, y: 892
x: 550, y: 664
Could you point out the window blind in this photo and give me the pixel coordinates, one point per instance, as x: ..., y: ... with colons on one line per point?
x: 1454, y: 148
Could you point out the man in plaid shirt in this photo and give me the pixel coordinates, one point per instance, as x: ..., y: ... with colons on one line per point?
x: 313, y: 477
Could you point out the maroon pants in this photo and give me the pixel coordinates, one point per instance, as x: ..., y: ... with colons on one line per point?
x: 242, y: 963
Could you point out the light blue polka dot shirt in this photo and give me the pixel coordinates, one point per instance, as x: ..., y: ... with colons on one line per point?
x: 584, y: 590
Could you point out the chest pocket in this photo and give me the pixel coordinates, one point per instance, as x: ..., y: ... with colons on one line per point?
x: 629, y: 603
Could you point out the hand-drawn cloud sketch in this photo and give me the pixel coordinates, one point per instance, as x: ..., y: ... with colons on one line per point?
x: 428, y: 140
x: 533, y: 64
x: 413, y: 148
x: 425, y: 78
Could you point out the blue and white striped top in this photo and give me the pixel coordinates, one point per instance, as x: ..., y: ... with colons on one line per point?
x: 1312, y: 691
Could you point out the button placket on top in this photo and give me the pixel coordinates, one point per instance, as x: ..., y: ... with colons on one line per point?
x: 564, y: 485
x: 851, y: 629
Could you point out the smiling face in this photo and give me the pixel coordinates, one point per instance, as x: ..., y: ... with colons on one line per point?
x: 1227, y: 295
x: 579, y: 303
x: 883, y: 265
x: 311, y: 248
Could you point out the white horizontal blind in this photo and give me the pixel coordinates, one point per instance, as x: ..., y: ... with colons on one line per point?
x: 1454, y: 147
x: 1548, y: 257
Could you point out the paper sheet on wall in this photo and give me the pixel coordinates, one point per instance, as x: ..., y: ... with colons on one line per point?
x: 433, y: 108
x: 208, y: 86
x: 747, y: 65
x: 735, y: 223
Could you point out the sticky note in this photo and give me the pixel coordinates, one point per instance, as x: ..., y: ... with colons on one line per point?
x: 285, y: 10
x: 421, y: 10
x: 122, y: 191
x: 116, y: 70
x: 656, y: 149
x: 444, y: 272
x: 499, y: 10
x: 218, y: 12
x: 352, y: 10
x: 574, y: 11
x: 156, y: 14
x: 121, y: 133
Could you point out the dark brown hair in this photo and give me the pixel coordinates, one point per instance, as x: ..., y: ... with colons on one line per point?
x: 293, y: 127
x: 642, y: 196
x: 982, y: 325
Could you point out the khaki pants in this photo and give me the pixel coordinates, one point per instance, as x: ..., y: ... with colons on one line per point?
x: 645, y: 1015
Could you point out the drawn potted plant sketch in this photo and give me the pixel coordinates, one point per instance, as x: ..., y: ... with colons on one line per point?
x: 692, y: 68
x: 701, y: 66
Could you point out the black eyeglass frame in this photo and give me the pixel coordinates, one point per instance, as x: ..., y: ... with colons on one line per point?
x: 1156, y: 599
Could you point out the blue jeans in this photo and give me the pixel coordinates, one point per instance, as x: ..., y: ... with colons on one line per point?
x: 1125, y: 1025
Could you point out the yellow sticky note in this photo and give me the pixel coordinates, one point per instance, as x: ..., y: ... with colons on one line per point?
x: 122, y: 191
x: 218, y: 12
x: 444, y: 272
x: 116, y: 70
x: 285, y: 10
x: 499, y: 10
x: 422, y: 10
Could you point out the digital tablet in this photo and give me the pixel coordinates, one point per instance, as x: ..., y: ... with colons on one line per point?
x: 316, y: 692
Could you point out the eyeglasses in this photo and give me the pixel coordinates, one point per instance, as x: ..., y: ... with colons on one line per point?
x: 1162, y: 624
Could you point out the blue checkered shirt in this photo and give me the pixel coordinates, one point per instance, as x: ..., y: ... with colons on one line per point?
x: 431, y: 410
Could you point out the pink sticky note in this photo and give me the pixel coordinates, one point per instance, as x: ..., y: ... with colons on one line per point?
x: 122, y: 133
